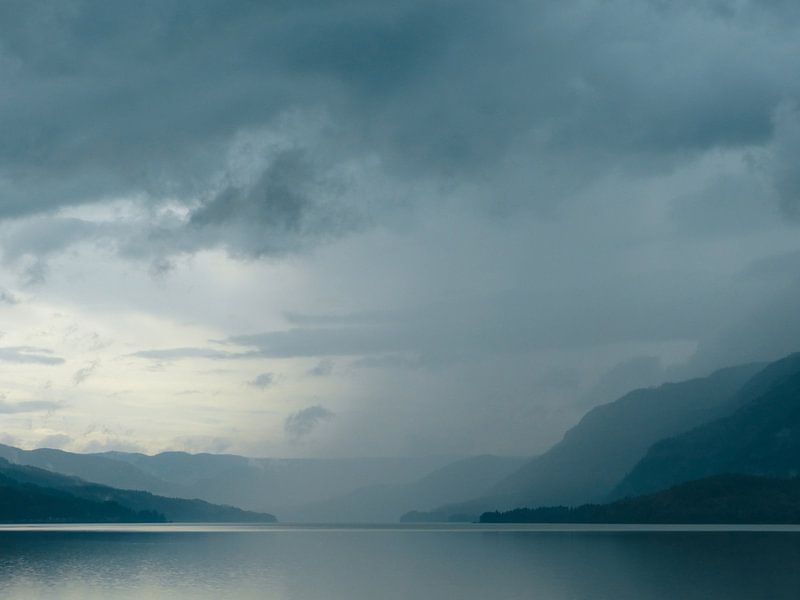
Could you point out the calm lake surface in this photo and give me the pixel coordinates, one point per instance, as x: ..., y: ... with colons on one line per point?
x: 394, y: 562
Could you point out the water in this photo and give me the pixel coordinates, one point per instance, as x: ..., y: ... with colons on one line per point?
x: 360, y: 563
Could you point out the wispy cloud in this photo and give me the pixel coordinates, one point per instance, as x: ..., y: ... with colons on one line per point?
x: 9, y: 408
x: 29, y: 355
x: 84, y: 373
x: 186, y: 352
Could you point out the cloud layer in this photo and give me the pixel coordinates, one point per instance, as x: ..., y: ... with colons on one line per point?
x: 486, y: 217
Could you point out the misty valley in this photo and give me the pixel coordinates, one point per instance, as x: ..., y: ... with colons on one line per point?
x: 724, y: 448
x: 710, y: 462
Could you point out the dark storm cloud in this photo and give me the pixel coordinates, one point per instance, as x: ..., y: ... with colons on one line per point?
x: 529, y: 101
x: 533, y: 190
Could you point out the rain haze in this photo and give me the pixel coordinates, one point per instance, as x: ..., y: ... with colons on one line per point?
x: 369, y: 228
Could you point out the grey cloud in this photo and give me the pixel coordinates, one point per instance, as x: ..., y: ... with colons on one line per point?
x: 514, y: 180
x: 29, y: 406
x: 561, y: 379
x: 482, y: 325
x: 767, y: 331
x: 498, y: 324
x: 387, y: 361
x: 637, y: 372
x: 783, y: 267
x: 7, y: 297
x: 263, y: 381
x: 273, y: 215
x: 316, y: 342
x: 734, y: 204
x: 182, y: 353
x: 322, y: 369
x: 786, y: 153
x: 327, y: 320
x: 304, y: 421
x: 29, y: 354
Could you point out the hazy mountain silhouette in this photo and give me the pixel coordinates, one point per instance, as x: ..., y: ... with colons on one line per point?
x: 386, y: 503
x: 273, y: 484
x: 90, y: 467
x: 259, y: 484
x: 609, y: 440
x: 83, y: 500
x: 718, y: 499
x: 761, y: 438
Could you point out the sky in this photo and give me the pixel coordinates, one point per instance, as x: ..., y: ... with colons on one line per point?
x: 374, y: 228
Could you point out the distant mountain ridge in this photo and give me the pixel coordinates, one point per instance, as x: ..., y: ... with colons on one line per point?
x: 256, y: 484
x: 90, y: 467
x: 274, y: 484
x: 609, y: 440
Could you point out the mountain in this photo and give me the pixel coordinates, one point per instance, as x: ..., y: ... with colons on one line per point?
x: 386, y: 503
x: 718, y: 499
x: 106, y: 503
x: 274, y: 484
x: 609, y: 440
x: 90, y: 467
x: 258, y: 484
x: 761, y: 438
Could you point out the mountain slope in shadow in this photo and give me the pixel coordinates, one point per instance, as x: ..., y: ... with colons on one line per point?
x: 29, y: 503
x: 105, y: 502
x: 609, y: 440
x: 761, y: 438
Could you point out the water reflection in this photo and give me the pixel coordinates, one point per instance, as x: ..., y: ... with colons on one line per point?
x: 310, y: 564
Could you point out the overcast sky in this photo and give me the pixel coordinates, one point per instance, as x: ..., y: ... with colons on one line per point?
x: 314, y: 228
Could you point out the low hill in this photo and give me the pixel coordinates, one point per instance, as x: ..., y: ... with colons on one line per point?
x: 29, y: 503
x: 127, y: 505
x: 728, y: 499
